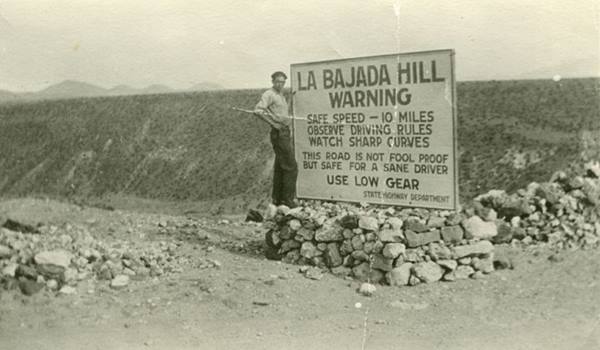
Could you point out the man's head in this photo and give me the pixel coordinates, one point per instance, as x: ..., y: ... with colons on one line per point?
x: 278, y: 79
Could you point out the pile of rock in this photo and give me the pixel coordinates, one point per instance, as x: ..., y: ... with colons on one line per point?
x: 564, y: 212
x: 408, y: 246
x: 58, y: 258
x: 402, y: 247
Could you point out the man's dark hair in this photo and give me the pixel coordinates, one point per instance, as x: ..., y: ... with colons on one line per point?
x: 278, y: 74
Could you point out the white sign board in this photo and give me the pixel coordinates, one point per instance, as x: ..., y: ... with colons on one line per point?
x: 377, y: 129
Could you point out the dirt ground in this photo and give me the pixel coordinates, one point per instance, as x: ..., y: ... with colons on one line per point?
x: 249, y: 302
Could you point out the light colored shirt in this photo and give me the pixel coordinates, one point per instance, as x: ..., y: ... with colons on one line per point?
x: 275, y: 103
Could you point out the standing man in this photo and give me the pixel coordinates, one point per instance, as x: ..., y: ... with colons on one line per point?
x: 285, y: 171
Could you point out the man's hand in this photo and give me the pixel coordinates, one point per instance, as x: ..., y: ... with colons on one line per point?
x: 261, y: 113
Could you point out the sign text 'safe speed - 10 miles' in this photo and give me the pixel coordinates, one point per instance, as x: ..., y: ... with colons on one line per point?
x: 377, y: 129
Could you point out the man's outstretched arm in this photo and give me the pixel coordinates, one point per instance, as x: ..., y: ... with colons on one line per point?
x: 262, y: 108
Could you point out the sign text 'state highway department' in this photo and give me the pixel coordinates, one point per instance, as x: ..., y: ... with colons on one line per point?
x: 377, y: 129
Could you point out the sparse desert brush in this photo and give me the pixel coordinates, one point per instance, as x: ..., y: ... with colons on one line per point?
x: 191, y: 146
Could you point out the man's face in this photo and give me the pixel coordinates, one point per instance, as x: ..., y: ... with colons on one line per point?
x: 278, y: 83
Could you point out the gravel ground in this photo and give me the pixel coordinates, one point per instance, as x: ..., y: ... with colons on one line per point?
x: 549, y: 301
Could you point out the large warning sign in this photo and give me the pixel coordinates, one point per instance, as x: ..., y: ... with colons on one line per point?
x: 377, y: 129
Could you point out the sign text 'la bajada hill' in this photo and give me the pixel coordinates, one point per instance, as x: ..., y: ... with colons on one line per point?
x: 377, y: 129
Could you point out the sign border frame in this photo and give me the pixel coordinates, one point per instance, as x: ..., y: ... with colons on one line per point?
x: 452, y: 52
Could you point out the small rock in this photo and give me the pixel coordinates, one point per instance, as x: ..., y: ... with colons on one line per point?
x: 454, y: 219
x: 393, y: 250
x: 349, y: 222
x: 119, y: 282
x: 329, y: 232
x: 576, y: 182
x: 341, y: 271
x: 368, y: 247
x: 463, y: 272
x: 288, y: 245
x: 490, y: 215
x: 593, y: 168
x: 399, y: 276
x: 306, y: 234
x: 427, y: 272
x: 439, y: 252
x: 283, y: 210
x: 477, y: 275
x: 475, y: 227
x: 479, y: 248
x: 414, y: 280
x: 555, y: 258
x: 505, y: 233
x: 29, y: 287
x: 452, y: 234
x: 501, y: 261
x: 10, y: 270
x: 415, y: 239
x: 360, y: 255
x: 414, y: 224
x: 485, y: 265
x: 55, y: 257
x: 449, y: 265
x: 313, y: 273
x: 52, y: 284
x: 363, y: 272
x: 367, y: 289
x: 382, y: 263
x: 368, y: 223
x: 308, y: 250
x: 5, y: 252
x: 70, y: 275
x: 390, y: 235
x: 332, y: 255
x: 270, y: 212
x: 294, y: 225
x: 357, y: 242
x: 436, y: 222
x: 27, y: 272
x: 395, y: 223
x: 449, y: 276
x: 347, y: 233
x: 67, y: 290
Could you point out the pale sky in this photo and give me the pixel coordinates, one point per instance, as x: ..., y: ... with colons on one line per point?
x: 238, y: 43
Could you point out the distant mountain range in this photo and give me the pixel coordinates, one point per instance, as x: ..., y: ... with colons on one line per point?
x: 73, y: 88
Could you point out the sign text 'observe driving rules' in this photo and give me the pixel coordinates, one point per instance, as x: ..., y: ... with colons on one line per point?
x: 377, y: 129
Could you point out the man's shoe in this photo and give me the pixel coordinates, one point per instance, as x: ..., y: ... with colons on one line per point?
x: 290, y: 204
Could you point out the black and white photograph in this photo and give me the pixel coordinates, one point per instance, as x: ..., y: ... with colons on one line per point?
x: 278, y: 174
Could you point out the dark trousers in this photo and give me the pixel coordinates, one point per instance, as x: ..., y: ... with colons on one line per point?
x: 285, y: 169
